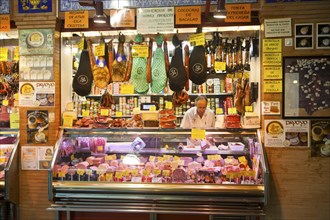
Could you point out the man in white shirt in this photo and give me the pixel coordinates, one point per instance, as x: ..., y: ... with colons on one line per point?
x: 199, y: 116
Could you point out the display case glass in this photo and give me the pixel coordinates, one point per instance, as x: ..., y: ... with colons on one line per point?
x: 9, y: 140
x: 123, y: 166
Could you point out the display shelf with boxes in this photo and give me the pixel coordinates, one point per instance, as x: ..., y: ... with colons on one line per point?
x: 159, y: 171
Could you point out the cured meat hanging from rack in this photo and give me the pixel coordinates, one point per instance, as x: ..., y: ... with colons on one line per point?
x: 83, y: 79
x: 186, y: 65
x: 119, y: 64
x: 149, y: 76
x: 101, y: 75
x: 197, y: 64
x: 139, y: 70
x: 167, y: 63
x: 129, y: 62
x: 159, y: 76
x: 111, y: 55
x: 177, y: 75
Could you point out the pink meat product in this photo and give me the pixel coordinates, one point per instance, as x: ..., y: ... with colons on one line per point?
x: 179, y: 175
x: 71, y: 171
x: 194, y: 166
x: 64, y: 169
x: 98, y: 160
x: 57, y: 168
x: 208, y: 163
x: 90, y: 160
x: 187, y: 160
x: 103, y: 166
x: 82, y: 165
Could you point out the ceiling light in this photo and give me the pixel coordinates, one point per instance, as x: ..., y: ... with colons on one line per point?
x: 221, y: 10
x: 99, y: 16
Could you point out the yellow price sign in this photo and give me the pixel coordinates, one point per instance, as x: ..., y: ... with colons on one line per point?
x: 135, y: 172
x: 16, y: 53
x: 89, y: 172
x: 108, y: 176
x: 249, y: 108
x: 232, y: 111
x: 145, y: 172
x: 127, y: 89
x: 81, y: 44
x: 85, y: 113
x: 160, y: 159
x: 168, y: 105
x: 5, y: 102
x: 156, y: 172
x: 126, y: 172
x: 167, y: 157
x: 152, y: 108
x: 174, y: 164
x: 68, y: 121
x: 119, y: 174
x: 104, y: 112
x: 80, y: 172
x: 176, y: 158
x: 61, y: 174
x: 152, y: 158
x: 166, y: 172
x: 198, y: 134
x: 3, y: 54
x: 219, y: 66
x: 99, y: 50
x: 122, y: 157
x: 140, y: 51
x: 119, y: 114
x: 197, y: 39
x: 110, y: 157
x: 219, y: 111
x: 72, y: 156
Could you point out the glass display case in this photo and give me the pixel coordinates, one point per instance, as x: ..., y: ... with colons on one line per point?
x: 9, y: 140
x: 223, y: 172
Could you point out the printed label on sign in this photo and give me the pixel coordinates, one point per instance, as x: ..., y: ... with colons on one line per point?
x: 198, y: 134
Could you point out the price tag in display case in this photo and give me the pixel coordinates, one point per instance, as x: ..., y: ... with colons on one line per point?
x: 104, y: 112
x: 67, y: 121
x: 168, y: 105
x: 198, y: 134
x: 80, y: 172
x: 249, y: 108
x: 219, y: 66
x: 219, y: 111
x: 119, y: 114
x: 232, y: 111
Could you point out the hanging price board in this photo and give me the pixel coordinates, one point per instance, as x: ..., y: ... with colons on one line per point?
x: 99, y: 50
x: 219, y: 66
x: 197, y: 39
x: 140, y: 51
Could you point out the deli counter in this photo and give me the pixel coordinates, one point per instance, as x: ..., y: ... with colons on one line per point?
x: 9, y: 140
x: 208, y: 172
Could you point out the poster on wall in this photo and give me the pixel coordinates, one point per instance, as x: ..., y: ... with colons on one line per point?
x: 320, y: 138
x: 36, y: 157
x: 36, y: 67
x: 306, y: 87
x: 34, y: 6
x: 286, y: 133
x: 36, y: 41
x: 37, y: 126
x: 37, y: 94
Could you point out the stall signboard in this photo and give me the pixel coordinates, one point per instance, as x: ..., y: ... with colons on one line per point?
x: 122, y: 18
x: 280, y: 27
x: 4, y: 23
x: 76, y: 19
x: 238, y: 13
x: 188, y: 15
x: 287, y: 133
x: 153, y: 20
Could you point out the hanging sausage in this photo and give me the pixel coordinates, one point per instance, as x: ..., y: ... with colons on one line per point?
x: 139, y: 70
x: 83, y: 79
x: 119, y: 64
x: 159, y: 76
x: 197, y: 64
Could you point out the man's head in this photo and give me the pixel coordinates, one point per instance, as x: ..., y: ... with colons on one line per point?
x: 201, y: 105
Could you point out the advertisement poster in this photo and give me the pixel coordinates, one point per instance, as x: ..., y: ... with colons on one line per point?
x: 36, y: 158
x: 286, y: 133
x: 37, y: 126
x: 29, y: 158
x: 320, y: 138
x: 45, y: 155
x: 37, y: 94
x: 36, y: 41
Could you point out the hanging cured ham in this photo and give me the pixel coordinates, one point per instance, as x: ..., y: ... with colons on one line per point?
x: 197, y: 64
x: 139, y: 70
x: 177, y: 74
x: 159, y: 76
x: 101, y: 75
x: 83, y: 80
x: 119, y: 64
